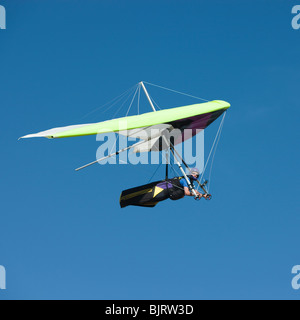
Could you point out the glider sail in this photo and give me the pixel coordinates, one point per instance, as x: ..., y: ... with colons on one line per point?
x: 197, y: 116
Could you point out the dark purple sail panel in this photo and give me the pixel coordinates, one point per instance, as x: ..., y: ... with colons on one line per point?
x: 195, y: 124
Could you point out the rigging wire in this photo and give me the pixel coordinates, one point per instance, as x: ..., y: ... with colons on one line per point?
x: 155, y: 173
x: 155, y: 103
x: 139, y: 96
x: 131, y: 92
x: 214, y: 146
x: 132, y: 101
x: 213, y: 158
x: 110, y: 103
x: 166, y: 160
x: 185, y: 94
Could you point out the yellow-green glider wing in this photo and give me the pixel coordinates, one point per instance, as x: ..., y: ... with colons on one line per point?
x: 196, y: 116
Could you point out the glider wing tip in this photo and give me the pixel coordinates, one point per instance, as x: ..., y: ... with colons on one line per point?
x: 228, y: 105
x: 36, y: 136
x: 21, y: 138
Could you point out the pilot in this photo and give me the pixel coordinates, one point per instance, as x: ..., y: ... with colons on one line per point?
x: 194, y: 176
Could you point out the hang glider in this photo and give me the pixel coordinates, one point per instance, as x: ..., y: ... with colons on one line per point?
x: 153, y: 129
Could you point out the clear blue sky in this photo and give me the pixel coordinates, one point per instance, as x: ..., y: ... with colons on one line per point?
x: 63, y: 235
